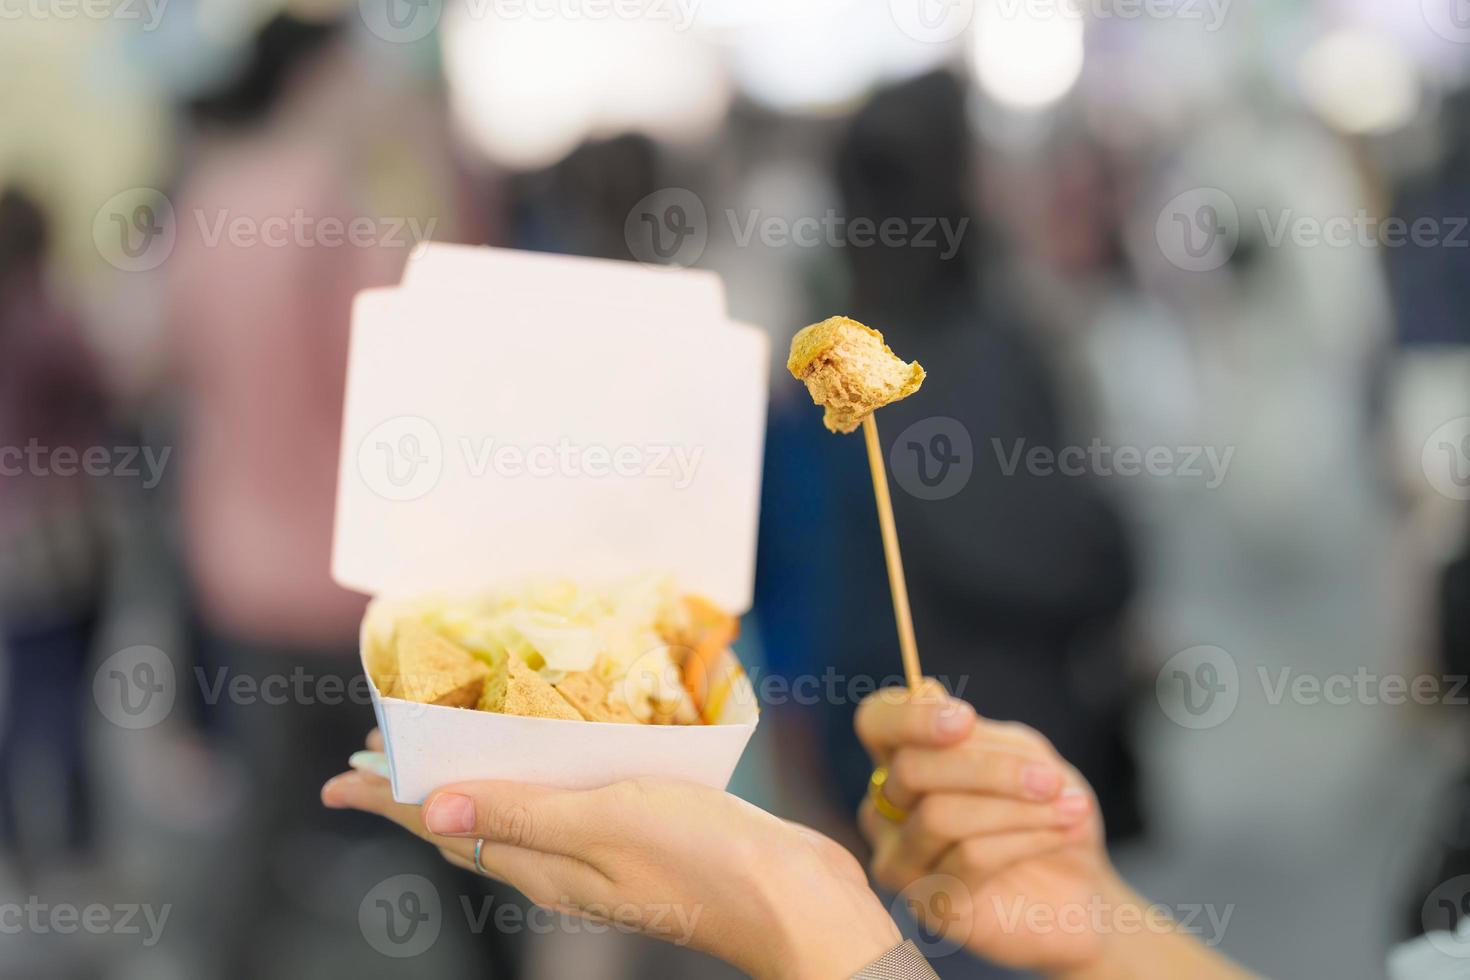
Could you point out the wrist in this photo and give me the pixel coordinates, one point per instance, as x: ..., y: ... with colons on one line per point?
x: 834, y: 956
x: 1114, y: 949
x: 817, y: 933
x: 1140, y: 941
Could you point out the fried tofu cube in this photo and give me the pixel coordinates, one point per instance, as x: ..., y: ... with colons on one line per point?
x: 850, y: 371
x: 516, y: 689
x: 435, y: 670
x: 586, y: 692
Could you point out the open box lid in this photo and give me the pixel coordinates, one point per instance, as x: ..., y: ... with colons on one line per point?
x: 488, y: 441
x: 694, y: 294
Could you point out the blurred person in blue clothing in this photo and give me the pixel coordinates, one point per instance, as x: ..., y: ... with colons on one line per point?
x: 1431, y: 294
x: 1020, y: 582
x: 52, y: 548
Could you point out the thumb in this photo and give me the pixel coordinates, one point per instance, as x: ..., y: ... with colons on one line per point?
x: 924, y: 716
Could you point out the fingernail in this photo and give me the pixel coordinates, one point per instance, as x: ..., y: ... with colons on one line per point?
x: 373, y: 762
x: 1041, y: 782
x: 1073, y: 802
x: 954, y: 718
x: 331, y: 798
x: 450, y: 813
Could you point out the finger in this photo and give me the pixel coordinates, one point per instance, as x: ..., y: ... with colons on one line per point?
x: 519, y: 815
x: 375, y: 741
x: 1014, y: 733
x: 897, y: 716
x: 546, y: 879
x: 451, y: 852
x: 357, y: 790
x: 873, y: 825
x: 569, y: 887
x: 552, y: 880
x: 973, y: 766
x: 943, y: 819
x: 373, y: 762
x: 549, y: 880
x: 980, y: 858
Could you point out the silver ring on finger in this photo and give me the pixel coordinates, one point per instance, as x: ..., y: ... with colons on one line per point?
x: 480, y: 846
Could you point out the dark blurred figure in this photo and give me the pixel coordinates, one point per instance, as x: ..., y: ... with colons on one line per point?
x: 1019, y: 583
x: 1431, y: 299
x: 578, y: 206
x: 52, y: 547
x: 259, y: 328
x: 1431, y: 293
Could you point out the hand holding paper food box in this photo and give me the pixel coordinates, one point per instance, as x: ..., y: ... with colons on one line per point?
x: 549, y: 482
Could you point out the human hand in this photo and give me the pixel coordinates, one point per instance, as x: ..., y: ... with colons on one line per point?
x: 774, y: 898
x: 1002, y: 848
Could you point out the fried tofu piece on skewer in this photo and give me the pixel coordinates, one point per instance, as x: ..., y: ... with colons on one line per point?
x: 850, y: 371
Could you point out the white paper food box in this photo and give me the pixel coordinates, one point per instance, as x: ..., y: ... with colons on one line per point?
x: 515, y: 417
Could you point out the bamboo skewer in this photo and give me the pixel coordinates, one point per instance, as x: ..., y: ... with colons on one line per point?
x: 907, y: 646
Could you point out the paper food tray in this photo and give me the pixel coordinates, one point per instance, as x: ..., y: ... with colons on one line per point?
x: 449, y: 370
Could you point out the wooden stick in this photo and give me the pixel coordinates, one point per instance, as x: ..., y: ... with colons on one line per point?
x: 906, y: 644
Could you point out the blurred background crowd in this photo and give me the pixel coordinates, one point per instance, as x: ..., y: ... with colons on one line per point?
x: 1185, y: 488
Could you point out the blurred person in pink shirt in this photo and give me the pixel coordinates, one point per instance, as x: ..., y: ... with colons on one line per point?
x: 280, y: 221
